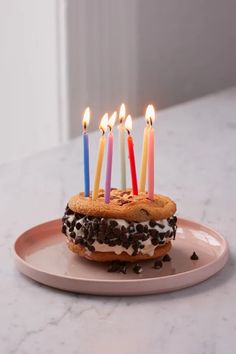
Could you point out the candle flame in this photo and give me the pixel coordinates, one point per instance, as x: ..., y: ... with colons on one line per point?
x: 150, y: 114
x: 103, y: 123
x: 86, y: 118
x: 128, y: 123
x: 112, y: 120
x: 122, y: 113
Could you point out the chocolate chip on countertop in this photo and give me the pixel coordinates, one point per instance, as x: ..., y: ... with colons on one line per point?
x: 123, y: 267
x: 137, y: 268
x: 113, y: 267
x: 117, y: 266
x: 194, y: 256
x: 166, y: 258
x: 157, y: 264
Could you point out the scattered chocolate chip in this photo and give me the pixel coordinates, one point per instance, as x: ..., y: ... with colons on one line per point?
x: 194, y: 256
x: 166, y: 258
x: 72, y: 234
x: 71, y: 229
x: 123, y: 267
x: 157, y: 264
x: 137, y: 268
x: 114, y: 266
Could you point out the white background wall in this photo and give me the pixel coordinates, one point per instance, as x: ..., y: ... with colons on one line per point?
x: 29, y: 77
x: 186, y: 49
x: 134, y: 51
x: 139, y: 51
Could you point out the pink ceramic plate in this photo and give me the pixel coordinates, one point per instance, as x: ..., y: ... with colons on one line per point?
x: 41, y: 254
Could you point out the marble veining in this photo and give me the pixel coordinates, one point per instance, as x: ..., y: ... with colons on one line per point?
x: 196, y: 166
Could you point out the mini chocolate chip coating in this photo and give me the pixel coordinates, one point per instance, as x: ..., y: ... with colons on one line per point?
x: 194, y: 256
x: 85, y: 230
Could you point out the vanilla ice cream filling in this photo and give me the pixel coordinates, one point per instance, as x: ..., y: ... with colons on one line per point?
x: 163, y: 231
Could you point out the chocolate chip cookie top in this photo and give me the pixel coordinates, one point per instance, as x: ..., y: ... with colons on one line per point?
x: 124, y: 205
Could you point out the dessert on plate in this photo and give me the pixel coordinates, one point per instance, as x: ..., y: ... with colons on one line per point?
x: 130, y: 228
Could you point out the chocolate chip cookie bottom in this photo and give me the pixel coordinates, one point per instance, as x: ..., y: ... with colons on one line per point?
x: 105, y: 235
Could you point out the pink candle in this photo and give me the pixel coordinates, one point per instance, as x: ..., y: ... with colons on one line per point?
x: 151, y: 163
x: 110, y: 124
x: 150, y: 155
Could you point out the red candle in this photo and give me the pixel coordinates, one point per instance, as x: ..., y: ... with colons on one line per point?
x: 128, y: 126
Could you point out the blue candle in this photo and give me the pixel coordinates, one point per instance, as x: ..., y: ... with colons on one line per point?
x: 86, y: 153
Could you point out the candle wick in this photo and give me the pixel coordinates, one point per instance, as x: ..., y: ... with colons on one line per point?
x: 109, y: 127
x: 121, y: 121
x: 128, y: 131
x: 150, y: 121
x: 84, y: 126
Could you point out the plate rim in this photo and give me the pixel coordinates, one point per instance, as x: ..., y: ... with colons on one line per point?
x: 222, y: 259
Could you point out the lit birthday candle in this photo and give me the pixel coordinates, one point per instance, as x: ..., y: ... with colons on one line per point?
x: 86, y: 120
x: 150, y: 153
x: 102, y: 142
x: 143, y: 172
x: 110, y: 125
x: 122, y: 147
x: 128, y: 126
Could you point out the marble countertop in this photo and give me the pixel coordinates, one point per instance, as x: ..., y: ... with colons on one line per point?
x: 196, y: 166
